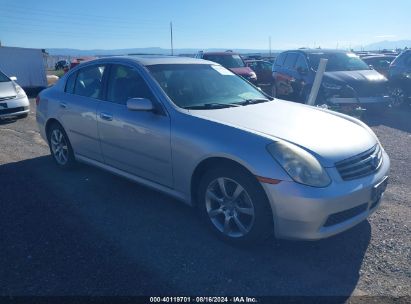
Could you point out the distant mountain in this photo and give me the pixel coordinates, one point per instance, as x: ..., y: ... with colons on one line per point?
x: 149, y: 50
x: 389, y: 45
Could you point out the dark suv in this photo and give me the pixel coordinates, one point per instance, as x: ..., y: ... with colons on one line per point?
x: 231, y: 61
x: 400, y: 77
x: 347, y: 79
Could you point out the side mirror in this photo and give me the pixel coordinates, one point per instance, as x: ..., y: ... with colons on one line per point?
x: 140, y: 104
x: 14, y: 78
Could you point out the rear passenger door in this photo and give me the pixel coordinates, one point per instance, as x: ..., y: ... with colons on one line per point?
x: 136, y: 142
x: 78, y: 109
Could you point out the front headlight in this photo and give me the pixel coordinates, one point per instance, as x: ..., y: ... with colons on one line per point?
x: 300, y: 165
x: 19, y: 90
x: 331, y: 86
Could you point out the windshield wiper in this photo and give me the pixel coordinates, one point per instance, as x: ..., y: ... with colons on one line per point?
x: 246, y: 102
x: 214, y: 105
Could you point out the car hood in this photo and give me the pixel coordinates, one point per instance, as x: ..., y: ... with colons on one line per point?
x: 353, y: 77
x: 7, y: 89
x: 244, y: 71
x: 329, y: 137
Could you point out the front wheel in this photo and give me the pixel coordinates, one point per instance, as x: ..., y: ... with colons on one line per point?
x: 273, y: 91
x: 60, y: 147
x: 235, y: 206
x: 399, y: 97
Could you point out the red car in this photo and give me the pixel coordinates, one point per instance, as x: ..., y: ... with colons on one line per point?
x: 77, y: 61
x: 231, y: 61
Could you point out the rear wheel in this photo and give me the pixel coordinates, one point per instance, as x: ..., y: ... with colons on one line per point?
x: 235, y: 206
x: 60, y: 147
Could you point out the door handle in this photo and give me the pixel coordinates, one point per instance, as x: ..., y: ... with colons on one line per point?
x: 106, y: 116
x: 63, y: 105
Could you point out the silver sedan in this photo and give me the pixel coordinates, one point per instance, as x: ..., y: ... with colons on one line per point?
x: 13, y: 99
x: 253, y: 166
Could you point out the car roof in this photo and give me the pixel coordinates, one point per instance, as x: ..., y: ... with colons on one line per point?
x: 379, y: 56
x: 147, y: 60
x: 221, y: 53
x: 317, y: 51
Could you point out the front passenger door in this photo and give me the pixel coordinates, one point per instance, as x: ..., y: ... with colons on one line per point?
x: 137, y: 142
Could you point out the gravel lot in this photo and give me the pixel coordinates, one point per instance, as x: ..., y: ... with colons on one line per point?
x: 87, y: 232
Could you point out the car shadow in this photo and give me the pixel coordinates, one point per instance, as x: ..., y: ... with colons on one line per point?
x: 7, y: 121
x: 397, y: 118
x: 88, y: 232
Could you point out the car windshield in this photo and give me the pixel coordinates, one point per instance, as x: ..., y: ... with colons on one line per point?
x: 338, y: 61
x: 3, y: 78
x: 202, y: 85
x: 227, y: 60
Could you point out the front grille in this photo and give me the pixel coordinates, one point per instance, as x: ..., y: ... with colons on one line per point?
x: 369, y: 89
x: 13, y: 110
x: 7, y: 98
x: 342, y: 216
x: 360, y: 165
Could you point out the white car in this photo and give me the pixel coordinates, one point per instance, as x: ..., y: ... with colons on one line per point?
x: 13, y: 99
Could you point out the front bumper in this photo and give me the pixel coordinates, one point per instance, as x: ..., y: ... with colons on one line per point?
x: 303, y: 212
x: 360, y: 100
x: 15, y: 107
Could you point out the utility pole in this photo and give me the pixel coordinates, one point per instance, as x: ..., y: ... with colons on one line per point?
x: 269, y: 45
x: 171, y: 37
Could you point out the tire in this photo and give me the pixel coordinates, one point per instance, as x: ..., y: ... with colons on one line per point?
x: 60, y: 147
x: 245, y: 220
x: 399, y: 97
x: 273, y: 91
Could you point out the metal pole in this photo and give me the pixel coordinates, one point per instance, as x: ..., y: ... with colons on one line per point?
x: 171, y: 37
x: 269, y: 44
x: 317, y: 81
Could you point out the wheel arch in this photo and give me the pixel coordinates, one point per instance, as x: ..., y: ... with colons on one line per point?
x: 212, y: 162
x: 49, y: 123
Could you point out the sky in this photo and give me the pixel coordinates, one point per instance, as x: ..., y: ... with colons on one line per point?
x: 240, y: 24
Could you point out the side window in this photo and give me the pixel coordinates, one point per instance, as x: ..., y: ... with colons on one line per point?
x: 70, y: 83
x: 124, y: 83
x: 266, y: 66
x: 290, y: 60
x: 301, y: 64
x: 89, y: 81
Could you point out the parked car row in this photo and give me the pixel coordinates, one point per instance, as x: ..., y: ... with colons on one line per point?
x: 347, y: 79
x: 371, y: 80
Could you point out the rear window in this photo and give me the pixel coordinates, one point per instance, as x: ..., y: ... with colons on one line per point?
x: 290, y: 60
x: 280, y: 59
x: 228, y: 61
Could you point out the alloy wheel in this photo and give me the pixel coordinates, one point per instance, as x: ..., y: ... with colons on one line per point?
x: 59, y: 146
x: 398, y: 95
x: 229, y: 207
